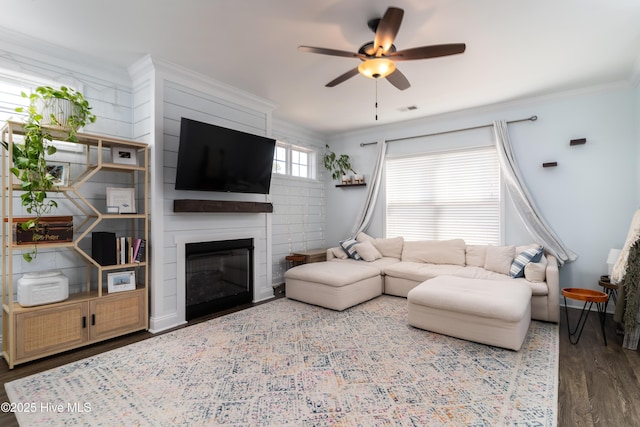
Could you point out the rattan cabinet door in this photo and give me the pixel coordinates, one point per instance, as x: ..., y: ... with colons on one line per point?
x: 117, y: 314
x: 50, y: 330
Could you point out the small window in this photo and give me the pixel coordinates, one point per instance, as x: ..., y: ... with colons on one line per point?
x: 294, y: 161
x: 280, y: 160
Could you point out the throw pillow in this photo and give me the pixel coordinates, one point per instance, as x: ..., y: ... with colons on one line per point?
x: 536, y: 271
x: 367, y: 251
x: 524, y: 258
x: 390, y: 247
x: 499, y: 258
x: 338, y: 253
x: 364, y: 237
x: 435, y: 251
x: 475, y: 255
x: 525, y: 247
x: 349, y: 247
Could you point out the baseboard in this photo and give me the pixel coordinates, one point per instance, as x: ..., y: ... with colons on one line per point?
x: 160, y: 324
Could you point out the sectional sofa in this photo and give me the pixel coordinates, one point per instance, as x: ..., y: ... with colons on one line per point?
x: 365, y: 267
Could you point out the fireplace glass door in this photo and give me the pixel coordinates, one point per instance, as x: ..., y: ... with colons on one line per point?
x: 219, y: 276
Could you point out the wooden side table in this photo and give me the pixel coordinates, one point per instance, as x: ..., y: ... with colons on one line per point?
x: 589, y: 297
x: 293, y: 260
x: 313, y: 255
x: 609, y: 288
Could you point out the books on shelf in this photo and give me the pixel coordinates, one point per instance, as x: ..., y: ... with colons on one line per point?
x: 107, y: 249
x: 139, y: 246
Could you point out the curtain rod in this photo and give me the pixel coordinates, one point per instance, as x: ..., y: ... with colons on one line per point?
x: 528, y: 119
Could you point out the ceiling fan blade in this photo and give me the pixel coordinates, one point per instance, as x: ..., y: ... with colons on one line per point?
x: 332, y: 52
x: 388, y: 28
x: 342, y: 78
x: 398, y: 80
x: 426, y: 52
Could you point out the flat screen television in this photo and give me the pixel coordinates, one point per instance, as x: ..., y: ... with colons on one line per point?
x: 214, y: 158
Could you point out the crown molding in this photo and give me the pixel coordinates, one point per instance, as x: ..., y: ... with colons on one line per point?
x: 17, y: 50
x: 174, y: 72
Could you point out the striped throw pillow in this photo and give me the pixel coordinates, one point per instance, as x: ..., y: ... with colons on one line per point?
x: 349, y: 247
x: 524, y: 258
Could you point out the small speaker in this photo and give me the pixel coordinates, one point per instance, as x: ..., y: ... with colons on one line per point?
x: 103, y: 247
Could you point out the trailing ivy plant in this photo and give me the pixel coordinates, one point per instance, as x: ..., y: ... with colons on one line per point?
x: 336, y: 165
x: 29, y: 163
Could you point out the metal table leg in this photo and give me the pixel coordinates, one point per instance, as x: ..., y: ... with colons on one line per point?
x: 584, y: 315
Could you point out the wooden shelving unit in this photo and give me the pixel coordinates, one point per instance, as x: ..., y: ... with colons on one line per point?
x: 93, y: 314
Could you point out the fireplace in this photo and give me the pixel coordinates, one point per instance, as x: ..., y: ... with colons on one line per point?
x: 218, y: 276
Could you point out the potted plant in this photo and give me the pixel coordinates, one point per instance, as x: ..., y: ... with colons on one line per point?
x: 49, y: 109
x: 338, y: 166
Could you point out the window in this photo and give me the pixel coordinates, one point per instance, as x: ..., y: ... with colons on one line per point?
x: 294, y: 161
x: 444, y: 195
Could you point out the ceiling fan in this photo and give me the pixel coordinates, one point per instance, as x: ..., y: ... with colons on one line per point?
x: 379, y: 56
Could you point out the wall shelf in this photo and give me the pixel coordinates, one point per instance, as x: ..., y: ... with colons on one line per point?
x: 351, y: 185
x: 221, y: 206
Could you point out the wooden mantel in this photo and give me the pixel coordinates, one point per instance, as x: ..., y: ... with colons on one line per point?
x: 193, y: 205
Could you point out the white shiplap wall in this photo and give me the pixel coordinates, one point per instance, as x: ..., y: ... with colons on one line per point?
x: 171, y: 93
x: 182, y: 101
x: 298, y: 214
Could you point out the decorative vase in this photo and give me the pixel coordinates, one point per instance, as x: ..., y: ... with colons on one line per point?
x: 57, y: 112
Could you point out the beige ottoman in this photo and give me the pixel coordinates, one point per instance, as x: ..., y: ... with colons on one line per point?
x: 486, y: 311
x: 332, y: 284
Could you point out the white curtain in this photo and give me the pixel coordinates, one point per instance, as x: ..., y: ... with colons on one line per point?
x: 374, y: 188
x: 533, y: 220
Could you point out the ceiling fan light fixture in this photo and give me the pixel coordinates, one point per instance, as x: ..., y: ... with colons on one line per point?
x: 377, y: 68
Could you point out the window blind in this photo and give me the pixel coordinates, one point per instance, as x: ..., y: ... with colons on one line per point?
x: 444, y: 195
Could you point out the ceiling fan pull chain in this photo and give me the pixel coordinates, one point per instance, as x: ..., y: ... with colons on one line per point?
x: 376, y: 99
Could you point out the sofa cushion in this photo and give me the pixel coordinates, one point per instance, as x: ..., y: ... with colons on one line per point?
x: 536, y: 271
x: 537, y: 288
x: 475, y: 255
x: 367, y: 251
x: 472, y: 272
x: 380, y: 264
x: 483, y: 298
x: 349, y: 247
x: 435, y: 251
x: 337, y: 252
x: 388, y: 247
x: 419, y: 271
x: 524, y: 258
x: 332, y: 273
x: 499, y: 258
x: 364, y: 237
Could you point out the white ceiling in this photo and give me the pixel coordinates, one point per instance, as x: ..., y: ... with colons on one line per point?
x: 515, y: 48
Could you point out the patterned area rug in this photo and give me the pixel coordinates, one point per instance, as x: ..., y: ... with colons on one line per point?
x: 289, y: 363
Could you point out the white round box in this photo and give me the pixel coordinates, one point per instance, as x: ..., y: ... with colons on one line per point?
x: 42, y: 287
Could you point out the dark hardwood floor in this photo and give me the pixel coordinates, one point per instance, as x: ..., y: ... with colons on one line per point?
x: 598, y: 385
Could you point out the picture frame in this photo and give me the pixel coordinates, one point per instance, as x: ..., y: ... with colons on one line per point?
x: 121, y: 281
x: 60, y: 172
x: 122, y: 198
x: 124, y: 155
